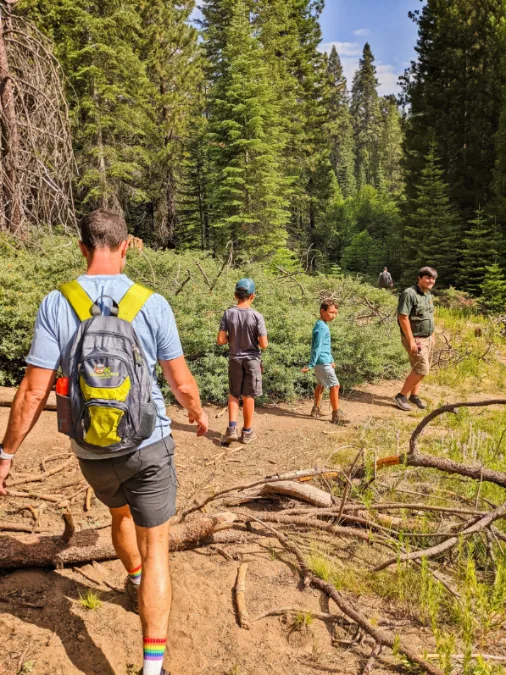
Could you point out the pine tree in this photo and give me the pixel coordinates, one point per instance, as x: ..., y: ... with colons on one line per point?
x: 98, y: 44
x: 340, y: 127
x: 174, y: 67
x: 454, y: 92
x: 249, y: 194
x: 367, y: 121
x: 482, y: 244
x: 391, y: 150
x: 493, y: 290
x: 432, y: 230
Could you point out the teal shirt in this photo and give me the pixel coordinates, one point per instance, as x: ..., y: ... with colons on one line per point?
x: 320, y: 345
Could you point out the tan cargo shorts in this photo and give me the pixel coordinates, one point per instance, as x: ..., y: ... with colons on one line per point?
x: 421, y: 362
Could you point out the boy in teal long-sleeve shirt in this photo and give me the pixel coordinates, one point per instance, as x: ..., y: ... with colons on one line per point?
x: 322, y: 361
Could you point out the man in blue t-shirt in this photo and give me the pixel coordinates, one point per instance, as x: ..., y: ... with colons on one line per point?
x: 322, y: 361
x: 139, y: 486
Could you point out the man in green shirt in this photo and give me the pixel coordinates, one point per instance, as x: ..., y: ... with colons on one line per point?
x: 415, y: 315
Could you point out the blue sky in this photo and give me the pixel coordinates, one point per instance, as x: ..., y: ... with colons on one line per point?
x: 383, y: 23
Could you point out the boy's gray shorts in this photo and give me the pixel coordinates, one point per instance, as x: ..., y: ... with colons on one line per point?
x: 144, y: 479
x: 326, y: 375
x: 244, y: 377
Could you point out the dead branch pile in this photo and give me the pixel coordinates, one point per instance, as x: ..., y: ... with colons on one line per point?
x: 36, y: 157
x: 295, y: 511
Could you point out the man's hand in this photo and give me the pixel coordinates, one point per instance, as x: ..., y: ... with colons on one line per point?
x: 5, y: 469
x: 202, y: 423
x: 413, y: 347
x: 305, y: 370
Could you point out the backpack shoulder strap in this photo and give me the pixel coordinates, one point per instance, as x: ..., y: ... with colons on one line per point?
x: 133, y: 301
x: 78, y: 299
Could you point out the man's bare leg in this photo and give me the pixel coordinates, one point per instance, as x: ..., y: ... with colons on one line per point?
x: 124, y: 537
x: 412, y: 384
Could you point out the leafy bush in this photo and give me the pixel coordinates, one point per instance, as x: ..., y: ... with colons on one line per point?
x: 364, y: 348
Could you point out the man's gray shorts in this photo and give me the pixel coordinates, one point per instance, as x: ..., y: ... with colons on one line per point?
x: 326, y: 375
x: 144, y: 479
x: 244, y: 377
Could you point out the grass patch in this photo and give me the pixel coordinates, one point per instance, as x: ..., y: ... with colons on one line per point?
x: 90, y: 600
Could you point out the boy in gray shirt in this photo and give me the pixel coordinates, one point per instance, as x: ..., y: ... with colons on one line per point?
x: 244, y: 330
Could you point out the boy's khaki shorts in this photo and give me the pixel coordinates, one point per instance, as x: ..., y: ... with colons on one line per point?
x: 245, y: 377
x: 421, y: 362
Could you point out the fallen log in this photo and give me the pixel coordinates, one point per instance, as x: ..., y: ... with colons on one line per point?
x: 92, y: 544
x: 302, y: 491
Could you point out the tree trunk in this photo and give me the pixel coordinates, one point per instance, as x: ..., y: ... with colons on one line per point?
x: 87, y: 545
x: 11, y: 188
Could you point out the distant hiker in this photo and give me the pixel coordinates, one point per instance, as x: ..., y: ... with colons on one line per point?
x: 322, y: 361
x: 244, y: 330
x: 108, y: 334
x: 415, y: 315
x: 385, y: 279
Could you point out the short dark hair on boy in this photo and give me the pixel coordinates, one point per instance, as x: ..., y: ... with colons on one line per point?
x: 103, y: 229
x: 427, y: 272
x: 242, y: 294
x: 328, y: 303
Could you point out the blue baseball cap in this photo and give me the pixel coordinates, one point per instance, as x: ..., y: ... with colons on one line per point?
x: 247, y: 284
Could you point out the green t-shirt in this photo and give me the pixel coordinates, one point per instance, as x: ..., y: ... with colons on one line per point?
x: 419, y: 307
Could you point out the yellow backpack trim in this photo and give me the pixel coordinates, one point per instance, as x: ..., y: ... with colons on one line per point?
x: 119, y: 393
x: 129, y: 305
x: 103, y: 429
x: 78, y: 299
x: 132, y: 302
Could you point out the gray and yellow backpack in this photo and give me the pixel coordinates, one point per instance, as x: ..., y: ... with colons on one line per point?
x: 110, y: 384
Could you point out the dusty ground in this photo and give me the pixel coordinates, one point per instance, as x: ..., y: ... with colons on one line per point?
x: 60, y: 636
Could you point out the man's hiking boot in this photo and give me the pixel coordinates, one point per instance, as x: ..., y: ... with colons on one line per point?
x: 315, y: 412
x: 401, y: 402
x: 248, y: 437
x: 338, y: 417
x: 231, y: 435
x: 416, y: 400
x: 132, y: 592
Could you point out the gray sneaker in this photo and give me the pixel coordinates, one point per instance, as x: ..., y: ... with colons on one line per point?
x: 416, y: 400
x: 248, y: 437
x: 401, y: 402
x: 338, y: 417
x: 132, y: 592
x: 315, y: 412
x: 231, y: 435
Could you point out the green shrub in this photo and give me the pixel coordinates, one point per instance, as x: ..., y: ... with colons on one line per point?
x: 364, y: 348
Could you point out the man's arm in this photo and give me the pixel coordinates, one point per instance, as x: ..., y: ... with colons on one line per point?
x: 408, y: 333
x: 28, y: 403
x: 222, y: 338
x: 183, y: 386
x: 263, y: 342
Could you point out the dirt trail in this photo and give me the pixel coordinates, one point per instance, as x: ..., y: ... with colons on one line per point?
x: 60, y: 637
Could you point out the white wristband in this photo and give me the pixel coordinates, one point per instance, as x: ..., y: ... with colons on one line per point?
x: 5, y: 455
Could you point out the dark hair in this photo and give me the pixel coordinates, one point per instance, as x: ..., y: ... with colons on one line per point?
x: 242, y: 294
x: 328, y: 303
x: 427, y: 272
x: 103, y: 229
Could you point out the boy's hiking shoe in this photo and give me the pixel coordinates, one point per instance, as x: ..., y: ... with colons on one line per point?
x: 315, y: 412
x: 132, y: 592
x: 231, y: 435
x: 416, y: 400
x: 338, y: 417
x: 248, y: 437
x: 401, y: 402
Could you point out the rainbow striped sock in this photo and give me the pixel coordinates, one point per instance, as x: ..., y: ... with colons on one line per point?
x: 135, y: 575
x: 154, y: 649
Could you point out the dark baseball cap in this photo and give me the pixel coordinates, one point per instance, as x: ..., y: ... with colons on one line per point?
x: 247, y: 284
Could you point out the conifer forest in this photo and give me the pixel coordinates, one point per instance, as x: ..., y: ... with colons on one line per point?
x: 238, y: 131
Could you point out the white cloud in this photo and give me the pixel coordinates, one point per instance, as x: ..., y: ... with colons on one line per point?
x: 362, y: 32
